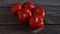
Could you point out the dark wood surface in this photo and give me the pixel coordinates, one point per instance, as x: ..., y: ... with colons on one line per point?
x: 9, y: 23
x: 20, y: 29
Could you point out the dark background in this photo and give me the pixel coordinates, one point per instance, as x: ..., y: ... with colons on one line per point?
x: 9, y: 23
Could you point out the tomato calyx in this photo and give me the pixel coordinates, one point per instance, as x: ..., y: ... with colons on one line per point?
x: 24, y: 15
x: 38, y: 11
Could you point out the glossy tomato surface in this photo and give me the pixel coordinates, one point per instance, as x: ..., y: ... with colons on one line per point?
x: 39, y: 10
x: 29, y: 5
x: 15, y: 8
x: 24, y: 15
x: 36, y: 22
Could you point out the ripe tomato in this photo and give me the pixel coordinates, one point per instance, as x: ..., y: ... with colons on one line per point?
x: 36, y: 21
x: 24, y: 15
x: 39, y: 10
x: 29, y: 5
x: 15, y: 8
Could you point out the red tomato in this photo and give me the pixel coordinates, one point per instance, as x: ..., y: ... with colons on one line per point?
x: 15, y: 8
x: 36, y: 21
x: 29, y: 5
x: 39, y: 10
x: 24, y: 15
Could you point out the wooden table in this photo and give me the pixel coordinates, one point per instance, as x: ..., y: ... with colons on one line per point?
x: 9, y: 23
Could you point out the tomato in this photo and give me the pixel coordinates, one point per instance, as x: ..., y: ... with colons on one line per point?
x: 29, y: 5
x: 39, y: 10
x: 15, y: 8
x: 24, y: 15
x: 36, y: 22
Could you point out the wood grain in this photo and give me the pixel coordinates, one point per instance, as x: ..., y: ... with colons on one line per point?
x: 9, y: 23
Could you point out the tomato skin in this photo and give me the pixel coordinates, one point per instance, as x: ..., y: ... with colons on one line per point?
x: 29, y: 5
x: 15, y: 8
x: 36, y: 21
x: 24, y: 15
x: 39, y: 10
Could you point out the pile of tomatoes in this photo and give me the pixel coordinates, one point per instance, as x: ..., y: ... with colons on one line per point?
x: 28, y: 12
